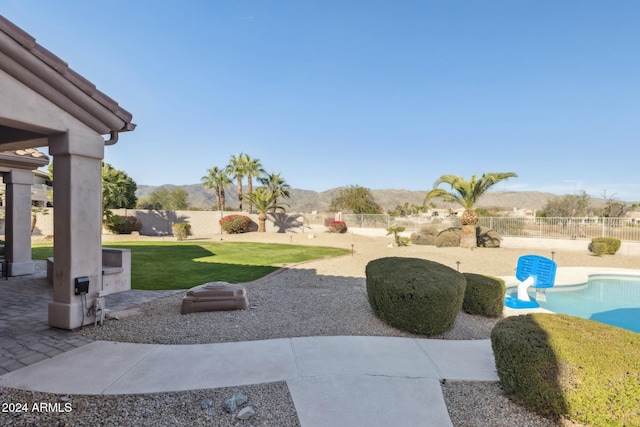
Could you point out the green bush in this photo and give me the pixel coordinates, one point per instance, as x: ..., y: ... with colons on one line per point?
x: 604, y: 245
x: 119, y: 224
x: 181, y: 230
x: 415, y: 295
x: 449, y: 238
x: 598, y: 248
x: 487, y: 238
x: 566, y: 366
x: 484, y: 295
x: 425, y: 236
x: 337, y: 227
x: 235, y: 224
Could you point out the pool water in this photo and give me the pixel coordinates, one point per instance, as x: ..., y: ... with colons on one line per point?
x: 614, y: 300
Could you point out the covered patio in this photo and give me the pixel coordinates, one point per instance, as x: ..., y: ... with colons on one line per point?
x: 44, y: 103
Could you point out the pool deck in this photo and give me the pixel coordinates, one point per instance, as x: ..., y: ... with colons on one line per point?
x: 567, y: 276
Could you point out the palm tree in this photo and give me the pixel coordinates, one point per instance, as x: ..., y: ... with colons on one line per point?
x: 237, y: 168
x: 217, y: 180
x: 263, y: 199
x: 253, y: 168
x: 278, y: 186
x: 467, y: 193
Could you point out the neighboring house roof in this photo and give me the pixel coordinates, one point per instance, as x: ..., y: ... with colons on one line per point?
x: 42, y: 71
x: 29, y: 158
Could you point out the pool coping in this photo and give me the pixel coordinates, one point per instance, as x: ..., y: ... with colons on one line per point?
x: 566, y: 276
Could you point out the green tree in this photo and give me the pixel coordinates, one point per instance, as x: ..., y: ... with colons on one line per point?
x: 406, y: 210
x: 354, y: 199
x: 253, y: 169
x: 237, y: 168
x: 118, y: 189
x: 278, y: 186
x: 217, y: 180
x: 567, y: 206
x: 178, y: 199
x: 165, y: 199
x: 466, y: 194
x: 264, y: 200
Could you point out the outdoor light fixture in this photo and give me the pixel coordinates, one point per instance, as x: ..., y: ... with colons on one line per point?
x: 82, y: 285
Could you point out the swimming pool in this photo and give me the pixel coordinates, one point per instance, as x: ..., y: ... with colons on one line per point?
x: 614, y: 300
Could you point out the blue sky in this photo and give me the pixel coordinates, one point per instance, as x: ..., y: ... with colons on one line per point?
x: 381, y: 94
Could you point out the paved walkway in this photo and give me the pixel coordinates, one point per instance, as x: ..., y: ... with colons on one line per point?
x: 385, y: 380
x: 25, y: 334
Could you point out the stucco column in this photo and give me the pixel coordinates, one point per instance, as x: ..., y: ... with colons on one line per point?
x: 18, y: 222
x: 77, y: 225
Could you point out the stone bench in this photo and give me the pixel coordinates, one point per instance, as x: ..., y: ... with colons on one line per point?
x: 116, y: 270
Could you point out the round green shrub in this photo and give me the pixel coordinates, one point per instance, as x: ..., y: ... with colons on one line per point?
x: 604, y: 245
x: 487, y: 238
x: 484, y: 295
x: 181, y: 230
x: 425, y: 236
x: 449, y: 238
x: 119, y: 224
x: 235, y: 224
x: 598, y: 248
x: 415, y: 295
x: 570, y: 367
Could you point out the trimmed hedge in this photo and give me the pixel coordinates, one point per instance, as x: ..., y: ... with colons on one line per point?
x: 415, y: 295
x: 425, y: 236
x: 484, y: 295
x: 604, y: 245
x: 119, y: 224
x: 449, y: 238
x: 235, y: 224
x: 337, y: 227
x: 566, y: 366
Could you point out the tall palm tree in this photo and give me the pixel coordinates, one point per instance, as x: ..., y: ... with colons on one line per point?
x: 263, y: 199
x: 277, y: 185
x: 253, y: 168
x: 237, y: 168
x: 467, y: 193
x: 217, y: 180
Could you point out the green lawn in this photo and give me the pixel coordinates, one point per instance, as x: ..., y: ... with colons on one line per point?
x: 183, y: 265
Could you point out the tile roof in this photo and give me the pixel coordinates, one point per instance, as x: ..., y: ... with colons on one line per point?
x: 56, y: 73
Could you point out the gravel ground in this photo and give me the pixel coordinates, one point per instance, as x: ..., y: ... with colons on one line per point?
x: 325, y: 297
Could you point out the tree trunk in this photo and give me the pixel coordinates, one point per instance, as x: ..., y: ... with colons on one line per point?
x: 262, y: 222
x: 468, y: 238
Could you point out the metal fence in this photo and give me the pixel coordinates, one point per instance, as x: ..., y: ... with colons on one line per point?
x: 627, y: 229
x: 565, y: 228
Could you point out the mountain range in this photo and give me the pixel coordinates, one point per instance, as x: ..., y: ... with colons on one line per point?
x: 388, y: 199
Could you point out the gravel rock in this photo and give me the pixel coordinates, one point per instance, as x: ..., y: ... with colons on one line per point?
x: 319, y: 298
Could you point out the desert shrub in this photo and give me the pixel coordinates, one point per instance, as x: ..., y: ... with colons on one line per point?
x: 181, y: 230
x: 598, y: 248
x: 487, y: 238
x: 415, y: 295
x: 119, y: 224
x: 397, y: 238
x: 604, y: 245
x: 425, y: 236
x: 484, y: 295
x: 566, y: 366
x: 449, y: 238
x: 337, y: 227
x: 235, y: 224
